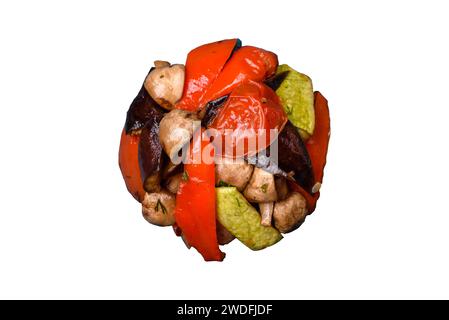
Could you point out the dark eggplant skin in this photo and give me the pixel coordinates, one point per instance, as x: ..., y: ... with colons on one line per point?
x: 211, y: 110
x: 293, y: 161
x: 142, y: 109
x: 150, y: 154
x: 275, y: 81
x: 293, y: 157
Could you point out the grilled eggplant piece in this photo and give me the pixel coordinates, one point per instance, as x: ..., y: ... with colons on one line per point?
x: 151, y: 158
x: 293, y: 161
x: 294, y: 158
x: 142, y: 109
x: 223, y: 235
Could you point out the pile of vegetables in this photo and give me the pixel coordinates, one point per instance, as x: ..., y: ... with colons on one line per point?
x: 249, y: 194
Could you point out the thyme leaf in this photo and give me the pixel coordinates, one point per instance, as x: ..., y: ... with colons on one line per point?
x: 160, y: 206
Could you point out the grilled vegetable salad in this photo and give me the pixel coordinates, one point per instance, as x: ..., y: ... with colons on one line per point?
x: 252, y: 193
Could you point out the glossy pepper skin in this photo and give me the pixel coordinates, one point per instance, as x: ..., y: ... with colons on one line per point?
x: 318, y: 143
x: 250, y: 107
x: 195, y: 203
x: 247, y: 63
x: 202, y: 68
x: 317, y: 146
x: 129, y: 164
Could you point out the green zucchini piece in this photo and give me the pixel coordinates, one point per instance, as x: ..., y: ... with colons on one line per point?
x: 296, y: 94
x: 237, y: 215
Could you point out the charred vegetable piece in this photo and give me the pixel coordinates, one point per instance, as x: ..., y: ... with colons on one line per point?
x: 150, y: 155
x: 293, y: 161
x: 296, y: 94
x: 275, y: 81
x: 142, y: 109
x: 129, y: 164
x: 202, y: 68
x: 223, y: 235
x: 243, y: 221
x: 211, y: 111
x: 293, y: 157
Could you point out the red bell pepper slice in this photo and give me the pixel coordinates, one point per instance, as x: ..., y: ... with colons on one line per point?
x: 195, y: 202
x: 318, y: 143
x: 251, y: 110
x: 317, y: 146
x: 247, y: 63
x: 202, y: 67
x: 129, y: 164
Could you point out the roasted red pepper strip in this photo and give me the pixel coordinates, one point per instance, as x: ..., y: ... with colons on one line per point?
x: 251, y: 110
x: 247, y: 63
x: 202, y: 67
x: 318, y: 143
x: 129, y: 164
x: 195, y: 203
x: 317, y: 146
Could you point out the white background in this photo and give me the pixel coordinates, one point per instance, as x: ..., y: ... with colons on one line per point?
x: 69, y: 229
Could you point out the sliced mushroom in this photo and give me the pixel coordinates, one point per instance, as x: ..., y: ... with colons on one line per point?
x: 159, y: 208
x: 233, y: 172
x: 172, y: 183
x: 261, y: 187
x: 290, y: 213
x: 161, y: 64
x: 266, y: 213
x: 165, y: 83
x: 281, y: 187
x: 176, y: 130
x: 223, y: 235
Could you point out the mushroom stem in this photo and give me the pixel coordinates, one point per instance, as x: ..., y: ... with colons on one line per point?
x: 261, y: 187
x: 266, y: 213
